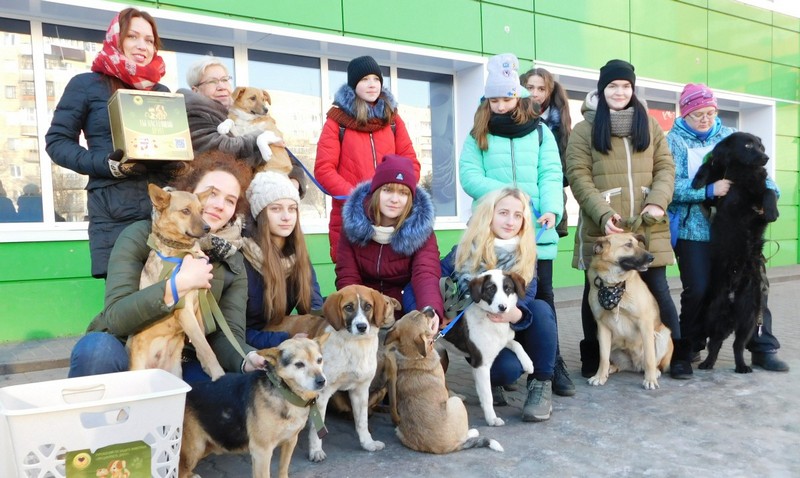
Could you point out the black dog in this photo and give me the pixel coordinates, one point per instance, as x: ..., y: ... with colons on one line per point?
x: 738, y: 285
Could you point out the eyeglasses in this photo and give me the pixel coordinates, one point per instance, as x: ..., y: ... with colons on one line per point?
x: 699, y: 115
x: 225, y: 80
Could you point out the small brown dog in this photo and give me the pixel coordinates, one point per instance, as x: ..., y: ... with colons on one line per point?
x: 630, y: 331
x: 255, y: 411
x: 175, y: 234
x: 427, y: 418
x: 249, y: 114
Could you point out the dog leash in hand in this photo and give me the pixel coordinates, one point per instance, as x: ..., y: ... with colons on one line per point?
x: 449, y: 326
x: 294, y: 399
x: 536, y: 215
x: 313, y: 179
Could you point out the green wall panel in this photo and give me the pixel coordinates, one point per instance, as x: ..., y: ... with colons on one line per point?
x: 785, y: 227
x: 735, y: 73
x: 563, y: 273
x: 320, y: 14
x: 444, y: 23
x: 610, y: 13
x: 696, y: 3
x: 785, y: 21
x: 526, y: 5
x: 739, y: 9
x: 744, y: 37
x: 787, y: 154
x: 788, y: 119
x: 507, y: 30
x: 44, y: 260
x: 781, y: 253
x: 578, y: 44
x: 47, y: 309
x: 669, y: 20
x: 679, y: 63
x: 785, y: 82
x: 786, y: 47
x: 787, y: 182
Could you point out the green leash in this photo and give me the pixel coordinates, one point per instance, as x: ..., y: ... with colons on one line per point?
x: 294, y: 399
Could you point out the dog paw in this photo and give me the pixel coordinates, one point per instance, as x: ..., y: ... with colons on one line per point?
x: 597, y: 380
x: 263, y: 141
x: 704, y: 365
x: 650, y: 384
x: 373, y: 445
x: 215, y: 373
x: 743, y: 369
x: 528, y: 367
x: 495, y: 422
x: 317, y: 455
x: 225, y: 127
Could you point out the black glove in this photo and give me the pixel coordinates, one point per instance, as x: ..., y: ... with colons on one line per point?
x: 123, y: 170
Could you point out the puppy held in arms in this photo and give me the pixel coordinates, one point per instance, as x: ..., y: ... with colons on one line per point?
x: 629, y: 328
x: 427, y: 418
x: 249, y: 114
x: 178, y: 225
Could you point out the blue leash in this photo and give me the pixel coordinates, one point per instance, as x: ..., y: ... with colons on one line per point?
x: 537, y: 215
x: 313, y: 179
x: 172, y: 284
x: 450, y: 325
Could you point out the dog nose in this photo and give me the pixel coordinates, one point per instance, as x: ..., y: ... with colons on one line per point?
x: 502, y: 307
x: 320, y: 381
x: 650, y: 257
x: 361, y: 328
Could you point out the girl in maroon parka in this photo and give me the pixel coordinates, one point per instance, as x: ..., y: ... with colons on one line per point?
x: 388, y: 239
x: 362, y: 126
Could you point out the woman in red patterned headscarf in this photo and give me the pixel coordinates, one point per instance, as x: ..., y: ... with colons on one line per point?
x: 116, y: 192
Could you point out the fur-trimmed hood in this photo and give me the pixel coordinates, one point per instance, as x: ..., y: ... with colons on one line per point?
x: 407, y: 240
x: 345, y: 99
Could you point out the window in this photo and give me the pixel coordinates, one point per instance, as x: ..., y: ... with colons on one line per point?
x: 11, y: 92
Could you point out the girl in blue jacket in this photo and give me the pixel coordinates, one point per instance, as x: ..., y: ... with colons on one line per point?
x: 508, y: 146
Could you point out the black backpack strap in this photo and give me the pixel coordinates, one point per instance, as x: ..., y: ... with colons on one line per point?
x: 539, y: 130
x: 341, y: 133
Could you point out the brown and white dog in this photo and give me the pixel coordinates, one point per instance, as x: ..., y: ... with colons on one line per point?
x: 630, y: 331
x: 250, y: 412
x: 427, y: 418
x: 177, y: 227
x: 249, y: 114
x: 353, y: 314
x: 477, y: 337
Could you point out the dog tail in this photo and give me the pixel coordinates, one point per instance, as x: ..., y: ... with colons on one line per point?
x: 475, y: 441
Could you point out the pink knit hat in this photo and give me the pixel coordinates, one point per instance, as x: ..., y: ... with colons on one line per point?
x: 696, y: 96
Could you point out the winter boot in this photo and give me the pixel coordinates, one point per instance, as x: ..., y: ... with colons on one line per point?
x: 562, y: 384
x: 590, y: 357
x: 769, y: 361
x: 680, y: 367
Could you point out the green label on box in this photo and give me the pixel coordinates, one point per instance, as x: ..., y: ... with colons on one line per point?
x: 123, y: 460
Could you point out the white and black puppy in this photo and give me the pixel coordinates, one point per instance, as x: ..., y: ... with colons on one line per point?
x: 480, y: 339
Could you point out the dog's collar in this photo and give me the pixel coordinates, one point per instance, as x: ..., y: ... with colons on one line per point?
x: 609, y: 295
x: 294, y: 399
x: 171, y: 243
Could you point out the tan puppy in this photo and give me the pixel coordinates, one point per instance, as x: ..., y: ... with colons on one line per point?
x: 248, y: 412
x: 175, y: 234
x: 630, y: 332
x: 249, y: 114
x: 427, y: 418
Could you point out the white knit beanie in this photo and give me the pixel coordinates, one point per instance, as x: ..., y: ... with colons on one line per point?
x: 266, y: 188
x: 502, y: 79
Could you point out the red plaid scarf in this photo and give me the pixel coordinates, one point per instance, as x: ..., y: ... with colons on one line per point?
x: 112, y: 62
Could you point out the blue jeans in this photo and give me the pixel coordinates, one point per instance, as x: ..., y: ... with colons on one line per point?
x: 539, y: 340
x: 544, y: 289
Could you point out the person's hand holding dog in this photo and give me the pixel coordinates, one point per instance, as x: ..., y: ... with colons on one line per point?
x: 195, y: 274
x: 721, y: 187
x: 611, y: 225
x: 253, y: 361
x: 511, y: 316
x: 653, y: 210
x: 547, y: 220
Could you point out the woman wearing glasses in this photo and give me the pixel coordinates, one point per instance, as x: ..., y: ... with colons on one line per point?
x: 694, y: 134
x: 207, y: 106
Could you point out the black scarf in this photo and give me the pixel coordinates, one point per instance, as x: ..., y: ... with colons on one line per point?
x: 504, y: 126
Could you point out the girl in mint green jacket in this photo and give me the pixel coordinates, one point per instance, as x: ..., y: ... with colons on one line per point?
x: 509, y: 147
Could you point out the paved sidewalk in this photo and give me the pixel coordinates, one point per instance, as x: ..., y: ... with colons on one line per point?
x: 719, y: 422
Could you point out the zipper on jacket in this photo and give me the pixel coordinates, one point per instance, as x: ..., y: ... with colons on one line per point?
x: 374, y: 154
x: 609, y: 193
x: 513, y: 162
x: 630, y: 172
x: 378, y: 268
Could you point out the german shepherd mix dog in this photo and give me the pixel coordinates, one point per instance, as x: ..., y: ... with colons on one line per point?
x: 480, y: 339
x: 427, y: 418
x: 177, y: 227
x: 629, y: 328
x: 255, y: 412
x: 249, y: 114
x: 735, y: 298
x: 354, y: 314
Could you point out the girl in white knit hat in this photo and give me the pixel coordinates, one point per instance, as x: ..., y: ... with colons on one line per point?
x: 280, y: 276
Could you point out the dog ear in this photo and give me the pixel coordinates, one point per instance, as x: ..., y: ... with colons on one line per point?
x: 271, y: 355
x: 322, y: 339
x: 476, y: 288
x: 378, y: 308
x: 332, y: 311
x: 519, y: 284
x: 640, y: 238
x: 238, y: 92
x: 267, y: 98
x: 599, y: 245
x: 203, y: 195
x: 392, y: 336
x: 421, y: 341
x: 158, y: 197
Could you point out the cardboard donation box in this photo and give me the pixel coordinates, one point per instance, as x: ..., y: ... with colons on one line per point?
x: 150, y: 126
x: 118, y: 424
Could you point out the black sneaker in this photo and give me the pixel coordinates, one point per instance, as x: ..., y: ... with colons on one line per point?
x: 562, y: 384
x: 769, y: 361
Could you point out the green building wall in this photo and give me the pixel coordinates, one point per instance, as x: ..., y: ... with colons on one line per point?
x: 45, y: 287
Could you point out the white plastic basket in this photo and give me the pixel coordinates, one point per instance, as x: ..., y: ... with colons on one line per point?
x: 41, y: 422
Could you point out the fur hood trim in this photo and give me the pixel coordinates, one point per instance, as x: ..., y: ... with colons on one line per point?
x: 345, y: 98
x: 407, y: 240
